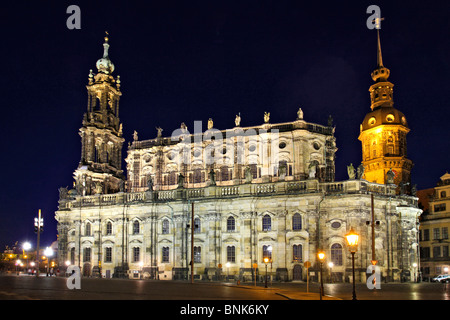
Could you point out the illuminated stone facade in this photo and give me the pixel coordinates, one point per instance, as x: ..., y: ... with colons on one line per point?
x: 255, y: 192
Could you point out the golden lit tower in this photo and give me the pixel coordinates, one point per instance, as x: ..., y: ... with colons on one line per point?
x: 99, y: 170
x: 383, y: 132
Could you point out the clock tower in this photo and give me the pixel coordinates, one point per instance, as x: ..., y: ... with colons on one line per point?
x: 383, y: 132
x: 99, y: 170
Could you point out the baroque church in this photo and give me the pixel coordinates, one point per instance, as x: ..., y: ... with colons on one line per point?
x: 214, y: 204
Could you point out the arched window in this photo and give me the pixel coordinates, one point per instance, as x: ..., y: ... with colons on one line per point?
x: 336, y: 254
x: 266, y: 223
x: 87, y: 229
x: 231, y: 224
x: 136, y: 227
x: 297, y: 222
x: 197, y: 226
x: 108, y: 228
x: 165, y: 226
x: 297, y: 253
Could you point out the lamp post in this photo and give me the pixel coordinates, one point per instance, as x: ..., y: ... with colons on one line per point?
x: 48, y: 253
x: 266, y: 261
x: 321, y: 256
x: 352, y: 240
x: 26, y: 247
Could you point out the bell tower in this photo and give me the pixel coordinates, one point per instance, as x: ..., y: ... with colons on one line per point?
x: 383, y: 132
x: 99, y: 170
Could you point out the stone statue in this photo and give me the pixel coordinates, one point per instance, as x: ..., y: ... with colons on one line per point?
x: 150, y: 183
x: 159, y: 131
x: 121, y: 185
x: 98, y: 188
x: 351, y: 171
x: 237, y: 120
x: 210, y: 123
x: 299, y: 114
x: 212, y: 177
x: 266, y: 117
x: 282, y: 171
x: 414, y: 190
x: 312, y: 169
x: 63, y: 193
x: 120, y: 129
x: 360, y: 171
x: 390, y: 177
x: 135, y: 135
x: 180, y: 181
x: 183, y: 126
x: 248, y: 175
x: 330, y: 121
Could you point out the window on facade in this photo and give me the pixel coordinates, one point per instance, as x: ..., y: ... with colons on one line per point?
x: 436, y: 252
x: 108, y: 228
x: 197, y: 254
x: 425, y: 252
x: 165, y: 226
x: 297, y: 222
x: 198, y: 176
x: 440, y: 207
x: 108, y: 254
x: 224, y: 173
x: 197, y: 225
x: 165, y: 254
x: 336, y: 254
x: 136, y: 227
x: 136, y: 254
x: 231, y: 224
x: 426, y: 235
x: 231, y: 254
x: 87, y: 229
x: 254, y: 170
x: 267, y: 252
x: 436, y: 233
x: 87, y: 255
x: 266, y: 223
x: 443, y: 194
x: 297, y: 254
x: 444, y: 232
x: 445, y: 251
x: 172, y: 178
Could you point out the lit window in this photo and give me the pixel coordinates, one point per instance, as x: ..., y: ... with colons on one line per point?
x: 266, y: 223
x: 231, y: 254
x: 336, y: 254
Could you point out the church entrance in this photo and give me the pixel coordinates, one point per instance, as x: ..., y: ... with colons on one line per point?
x: 87, y: 270
x: 297, y: 273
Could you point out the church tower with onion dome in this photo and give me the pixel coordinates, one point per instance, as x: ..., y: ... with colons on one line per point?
x: 99, y: 170
x: 383, y: 133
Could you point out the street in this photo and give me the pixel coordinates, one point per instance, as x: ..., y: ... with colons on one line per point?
x: 24, y: 287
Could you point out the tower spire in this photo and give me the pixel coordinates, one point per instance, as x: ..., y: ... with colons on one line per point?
x: 379, y: 55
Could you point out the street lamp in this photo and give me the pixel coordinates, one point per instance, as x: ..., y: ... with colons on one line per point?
x: 331, y: 265
x: 266, y: 261
x: 25, y: 247
x: 48, y: 253
x: 321, y: 256
x: 352, y: 241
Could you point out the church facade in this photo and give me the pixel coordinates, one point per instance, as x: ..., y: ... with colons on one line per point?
x: 216, y: 203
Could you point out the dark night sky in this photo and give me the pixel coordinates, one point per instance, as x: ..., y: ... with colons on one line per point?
x: 190, y: 60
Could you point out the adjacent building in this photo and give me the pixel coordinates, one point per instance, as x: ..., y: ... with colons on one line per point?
x: 434, y: 228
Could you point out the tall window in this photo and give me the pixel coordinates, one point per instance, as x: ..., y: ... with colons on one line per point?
x: 224, y: 174
x: 87, y: 229
x: 136, y: 254
x: 297, y: 222
x: 87, y: 255
x: 197, y: 226
x: 136, y: 227
x: 165, y: 226
x: 108, y: 254
x: 231, y: 254
x: 108, y: 228
x: 197, y: 254
x: 336, y: 254
x: 436, y: 233
x: 444, y: 232
x: 231, y: 225
x: 267, y: 252
x: 297, y: 254
x: 165, y: 254
x: 266, y: 223
x: 72, y: 255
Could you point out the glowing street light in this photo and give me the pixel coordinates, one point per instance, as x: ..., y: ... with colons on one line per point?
x: 352, y: 241
x: 48, y: 252
x: 266, y: 261
x: 321, y: 256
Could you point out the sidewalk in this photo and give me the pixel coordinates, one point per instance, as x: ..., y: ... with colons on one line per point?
x: 289, y: 294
